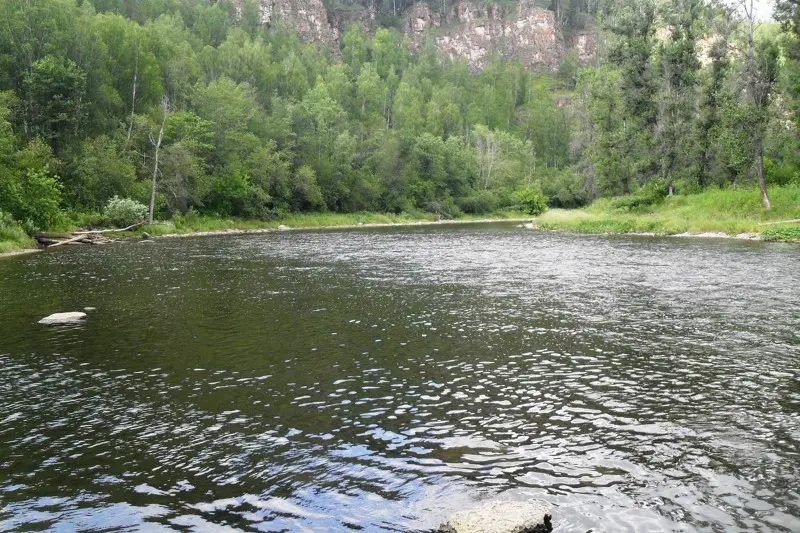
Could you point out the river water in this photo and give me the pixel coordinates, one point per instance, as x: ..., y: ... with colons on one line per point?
x: 379, y: 380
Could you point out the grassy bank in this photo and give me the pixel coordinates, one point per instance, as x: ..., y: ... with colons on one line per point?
x: 729, y: 212
x: 13, y: 238
x: 204, y: 224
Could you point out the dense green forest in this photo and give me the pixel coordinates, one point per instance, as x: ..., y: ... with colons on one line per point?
x: 213, y: 112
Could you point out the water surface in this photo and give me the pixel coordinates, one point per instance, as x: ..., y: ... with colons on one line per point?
x: 380, y: 380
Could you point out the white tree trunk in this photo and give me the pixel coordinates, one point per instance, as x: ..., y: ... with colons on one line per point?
x: 165, y: 108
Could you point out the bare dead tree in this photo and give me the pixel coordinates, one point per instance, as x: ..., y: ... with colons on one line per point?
x: 166, y: 109
x: 135, y: 82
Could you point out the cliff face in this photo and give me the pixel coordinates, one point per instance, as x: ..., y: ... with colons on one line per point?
x: 469, y: 30
x: 308, y: 18
x: 524, y: 33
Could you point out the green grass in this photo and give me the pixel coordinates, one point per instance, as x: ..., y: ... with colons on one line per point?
x: 194, y: 223
x: 719, y: 211
x: 785, y: 234
x: 13, y: 237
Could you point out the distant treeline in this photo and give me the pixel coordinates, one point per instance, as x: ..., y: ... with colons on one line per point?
x: 105, y: 98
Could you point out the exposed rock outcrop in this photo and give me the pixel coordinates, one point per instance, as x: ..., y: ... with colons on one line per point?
x: 308, y: 18
x: 470, y: 30
x: 523, y: 32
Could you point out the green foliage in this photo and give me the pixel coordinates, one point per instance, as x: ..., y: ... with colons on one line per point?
x: 53, y: 96
x: 786, y: 234
x: 727, y: 211
x: 564, y: 188
x: 531, y: 200
x: 481, y: 203
x: 124, y: 212
x: 652, y: 193
x: 103, y: 170
x: 263, y: 125
x: 306, y: 194
x: 228, y: 195
x: 12, y: 234
x: 568, y: 70
x: 32, y: 195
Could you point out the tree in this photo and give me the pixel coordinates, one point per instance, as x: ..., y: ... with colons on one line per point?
x: 166, y: 109
x: 679, y: 67
x: 633, y: 27
x: 103, y: 170
x: 715, y: 92
x: 760, y: 73
x: 54, y: 93
x: 306, y: 194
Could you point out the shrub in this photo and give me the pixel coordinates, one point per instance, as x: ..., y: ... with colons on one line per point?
x: 446, y: 208
x: 789, y: 234
x: 532, y: 200
x: 565, y: 188
x: 479, y: 204
x: 652, y: 193
x: 41, y: 198
x: 124, y: 212
x: 306, y: 193
x: 12, y: 234
x: 227, y: 197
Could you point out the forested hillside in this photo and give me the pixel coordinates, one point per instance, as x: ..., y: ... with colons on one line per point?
x: 216, y: 112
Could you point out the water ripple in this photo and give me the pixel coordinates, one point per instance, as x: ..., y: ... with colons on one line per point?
x: 380, y: 380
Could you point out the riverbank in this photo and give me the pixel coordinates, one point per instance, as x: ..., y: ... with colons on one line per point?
x: 713, y: 213
x: 199, y: 225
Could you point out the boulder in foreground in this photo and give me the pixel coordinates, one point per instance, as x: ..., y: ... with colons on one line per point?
x: 501, y: 517
x: 63, y: 318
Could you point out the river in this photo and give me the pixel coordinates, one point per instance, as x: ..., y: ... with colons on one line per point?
x: 379, y: 380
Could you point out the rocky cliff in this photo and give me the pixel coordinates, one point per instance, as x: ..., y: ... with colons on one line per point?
x: 469, y: 30
x: 523, y: 32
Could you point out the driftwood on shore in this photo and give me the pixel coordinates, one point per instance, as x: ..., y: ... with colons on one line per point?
x: 52, y: 239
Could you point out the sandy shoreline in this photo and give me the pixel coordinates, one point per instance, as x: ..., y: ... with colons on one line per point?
x: 220, y: 232
x: 21, y: 251
x: 342, y: 226
x: 525, y: 222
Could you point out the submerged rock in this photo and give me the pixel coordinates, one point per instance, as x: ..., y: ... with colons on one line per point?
x: 501, y: 517
x: 63, y: 318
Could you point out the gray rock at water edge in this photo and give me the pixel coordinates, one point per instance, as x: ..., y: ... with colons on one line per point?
x: 501, y: 517
x: 74, y: 317
x: 145, y: 236
x: 282, y: 227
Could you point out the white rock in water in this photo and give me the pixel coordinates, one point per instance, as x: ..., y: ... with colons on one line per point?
x: 529, y: 225
x: 63, y: 318
x: 501, y: 517
x: 283, y: 228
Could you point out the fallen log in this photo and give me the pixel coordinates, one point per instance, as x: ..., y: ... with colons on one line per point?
x: 109, y: 230
x: 52, y: 235
x: 68, y: 241
x: 52, y: 239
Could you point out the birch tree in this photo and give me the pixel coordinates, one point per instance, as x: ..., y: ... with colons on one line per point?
x: 166, y: 109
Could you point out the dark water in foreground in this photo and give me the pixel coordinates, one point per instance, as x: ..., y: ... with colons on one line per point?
x: 380, y: 380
